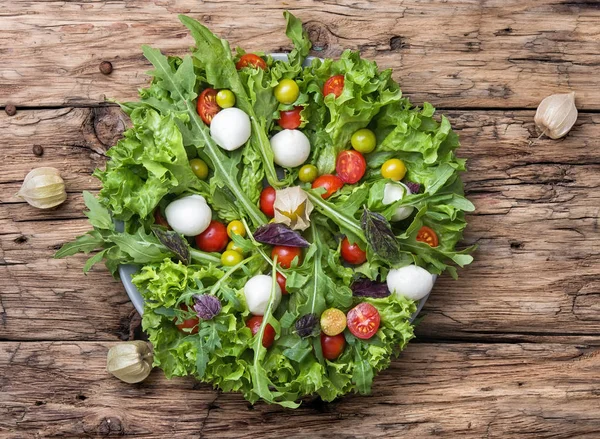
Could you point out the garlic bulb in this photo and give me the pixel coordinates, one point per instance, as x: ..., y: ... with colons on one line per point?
x: 130, y: 361
x: 556, y: 115
x: 43, y: 188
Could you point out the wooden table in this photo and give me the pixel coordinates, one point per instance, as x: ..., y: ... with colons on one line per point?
x: 508, y: 350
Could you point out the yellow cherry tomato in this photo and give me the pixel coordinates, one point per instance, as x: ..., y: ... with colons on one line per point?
x: 394, y: 169
x: 333, y: 321
x: 287, y: 91
x: 234, y: 247
x: 308, y: 173
x: 236, y: 228
x: 225, y: 98
x: 229, y: 258
x: 200, y: 168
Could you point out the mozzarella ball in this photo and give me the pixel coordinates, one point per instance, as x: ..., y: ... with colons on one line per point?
x: 290, y: 148
x: 189, y: 215
x: 394, y: 192
x: 411, y: 281
x: 230, y: 128
x: 258, y: 292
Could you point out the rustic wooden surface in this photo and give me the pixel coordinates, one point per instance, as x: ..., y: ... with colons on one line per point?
x: 508, y: 350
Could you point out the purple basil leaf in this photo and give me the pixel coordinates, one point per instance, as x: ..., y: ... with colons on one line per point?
x: 364, y: 287
x: 380, y: 236
x: 279, y: 234
x: 414, y: 187
x: 305, y: 325
x: 206, y: 306
x: 174, y: 242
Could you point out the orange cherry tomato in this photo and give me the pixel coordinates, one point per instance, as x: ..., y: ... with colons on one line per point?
x: 207, y: 105
x: 334, y: 85
x: 251, y: 60
x: 428, y: 236
x: 363, y: 320
x: 350, y: 166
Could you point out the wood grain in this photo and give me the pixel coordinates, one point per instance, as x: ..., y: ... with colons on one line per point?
x: 433, y: 390
x: 464, y: 53
x: 535, y: 276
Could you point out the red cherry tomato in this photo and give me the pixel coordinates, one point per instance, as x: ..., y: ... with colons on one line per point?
x: 332, y: 346
x: 428, y: 236
x: 251, y: 60
x: 268, y: 335
x: 290, y: 119
x: 207, y: 105
x: 352, y: 253
x: 286, y: 254
x: 189, y: 323
x: 160, y: 219
x: 350, y: 166
x: 331, y: 183
x: 267, y: 199
x: 334, y: 85
x: 214, y: 238
x: 363, y: 320
x: 281, y: 282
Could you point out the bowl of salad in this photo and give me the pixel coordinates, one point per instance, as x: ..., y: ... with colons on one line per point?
x: 278, y: 220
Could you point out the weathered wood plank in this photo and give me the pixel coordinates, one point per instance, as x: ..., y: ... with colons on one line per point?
x: 535, y: 276
x: 442, y: 390
x: 465, y: 53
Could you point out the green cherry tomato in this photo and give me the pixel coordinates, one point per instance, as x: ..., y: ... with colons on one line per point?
x: 200, y: 168
x: 363, y: 141
x: 308, y: 173
x: 234, y: 247
x: 287, y: 91
x: 229, y: 258
x: 225, y: 98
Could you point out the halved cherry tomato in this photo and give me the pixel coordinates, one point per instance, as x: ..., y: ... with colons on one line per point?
x: 428, y: 236
x: 251, y: 60
x: 363, y: 320
x: 350, y: 166
x: 207, y: 105
x: 269, y: 333
x: 286, y: 254
x: 160, y: 219
x: 188, y: 323
x: 332, y: 346
x: 334, y: 85
x: 267, y: 199
x: 331, y: 183
x: 352, y: 253
x: 290, y: 119
x: 281, y: 281
x: 333, y: 321
x: 214, y: 238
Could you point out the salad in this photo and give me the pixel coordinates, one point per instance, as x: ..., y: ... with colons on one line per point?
x: 285, y: 215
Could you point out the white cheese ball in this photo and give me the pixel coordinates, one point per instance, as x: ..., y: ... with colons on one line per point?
x: 411, y: 281
x: 258, y: 292
x: 394, y: 192
x: 230, y: 128
x: 189, y: 215
x: 290, y: 148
